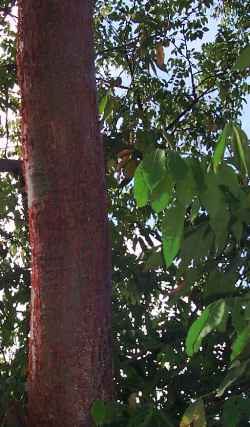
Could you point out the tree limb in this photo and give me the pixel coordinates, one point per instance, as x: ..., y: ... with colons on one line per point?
x: 9, y: 165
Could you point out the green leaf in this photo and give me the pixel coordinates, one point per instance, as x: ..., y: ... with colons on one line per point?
x: 177, y: 166
x: 214, y: 201
x: 198, y: 171
x: 235, y: 410
x: 154, y: 261
x: 240, y: 144
x: 109, y: 107
x: 220, y: 148
x: 141, y: 190
x: 197, y: 244
x: 228, y: 179
x: 148, y: 418
x: 238, y: 316
x: 209, y: 320
x: 195, y: 415
x: 237, y: 229
x: 164, y: 420
x: 212, y: 198
x: 219, y: 224
x: 220, y: 284
x: 241, y: 346
x: 194, y: 209
x: 247, y: 310
x: 172, y: 232
x: 103, y: 103
x: 142, y: 417
x: 162, y: 194
x: 234, y: 373
x: 222, y: 327
x: 186, y: 189
x: 98, y: 412
x: 154, y: 167
x: 243, y: 60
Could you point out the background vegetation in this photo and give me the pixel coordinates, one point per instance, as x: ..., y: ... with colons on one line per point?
x: 171, y: 88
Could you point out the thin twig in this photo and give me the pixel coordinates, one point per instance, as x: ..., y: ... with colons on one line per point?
x: 189, y: 108
x: 189, y: 63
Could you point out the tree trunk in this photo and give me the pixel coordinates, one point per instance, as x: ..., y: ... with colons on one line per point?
x: 70, y: 337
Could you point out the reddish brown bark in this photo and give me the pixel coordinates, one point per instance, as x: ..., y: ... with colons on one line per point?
x: 70, y: 338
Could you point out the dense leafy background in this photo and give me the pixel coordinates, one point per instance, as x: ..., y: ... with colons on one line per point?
x: 177, y: 161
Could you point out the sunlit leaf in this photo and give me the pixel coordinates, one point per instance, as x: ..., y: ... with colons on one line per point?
x: 221, y: 145
x: 209, y: 320
x: 103, y: 103
x: 141, y: 190
x: 109, y: 107
x: 241, y: 344
x: 154, y: 167
x: 162, y: 194
x: 240, y: 142
x: 172, y: 232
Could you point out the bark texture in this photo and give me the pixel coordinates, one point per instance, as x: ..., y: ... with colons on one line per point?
x: 70, y: 337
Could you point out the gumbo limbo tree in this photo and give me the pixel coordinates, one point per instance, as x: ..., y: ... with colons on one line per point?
x: 70, y: 341
x: 170, y: 92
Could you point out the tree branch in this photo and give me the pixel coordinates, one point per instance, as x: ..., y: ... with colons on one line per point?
x: 189, y: 108
x: 189, y: 64
x: 9, y: 165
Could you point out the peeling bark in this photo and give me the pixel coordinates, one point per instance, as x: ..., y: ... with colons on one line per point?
x: 70, y: 337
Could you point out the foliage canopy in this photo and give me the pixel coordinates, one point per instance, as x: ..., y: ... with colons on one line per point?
x: 172, y: 81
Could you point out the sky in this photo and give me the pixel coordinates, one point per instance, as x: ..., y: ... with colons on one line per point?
x: 246, y: 117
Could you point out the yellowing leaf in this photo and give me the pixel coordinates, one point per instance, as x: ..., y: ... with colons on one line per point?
x: 195, y: 415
